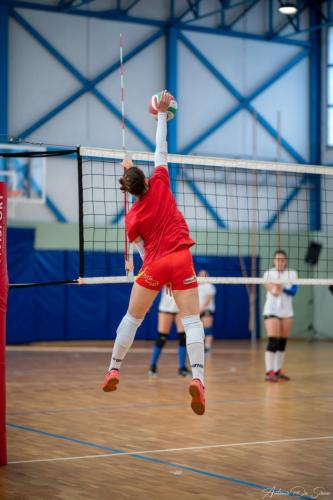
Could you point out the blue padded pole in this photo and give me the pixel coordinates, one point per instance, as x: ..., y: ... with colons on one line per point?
x: 315, y: 118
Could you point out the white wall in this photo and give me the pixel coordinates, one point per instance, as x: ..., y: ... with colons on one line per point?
x: 38, y: 82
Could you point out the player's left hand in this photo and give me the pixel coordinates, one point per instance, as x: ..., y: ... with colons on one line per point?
x: 163, y: 105
x: 129, y: 266
x: 126, y: 163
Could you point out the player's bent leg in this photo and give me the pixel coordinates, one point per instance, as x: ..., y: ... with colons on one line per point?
x: 140, y: 302
x: 188, y: 304
x: 195, y: 349
x: 187, y: 301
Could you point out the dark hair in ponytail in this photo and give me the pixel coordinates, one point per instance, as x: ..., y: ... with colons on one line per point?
x: 133, y: 181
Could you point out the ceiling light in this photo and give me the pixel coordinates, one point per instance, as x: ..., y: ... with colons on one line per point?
x: 288, y: 9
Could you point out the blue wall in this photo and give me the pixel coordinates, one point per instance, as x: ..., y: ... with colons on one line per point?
x: 73, y: 312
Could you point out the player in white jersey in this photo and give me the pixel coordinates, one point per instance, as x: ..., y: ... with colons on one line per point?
x: 278, y: 315
x: 168, y: 313
x: 207, y: 293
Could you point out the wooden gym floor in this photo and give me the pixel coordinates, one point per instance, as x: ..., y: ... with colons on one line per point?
x: 69, y: 440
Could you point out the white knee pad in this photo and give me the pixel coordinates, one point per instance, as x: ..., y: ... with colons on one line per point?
x: 193, y: 329
x: 127, y: 329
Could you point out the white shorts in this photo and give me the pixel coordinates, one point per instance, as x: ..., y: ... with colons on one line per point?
x: 167, y: 304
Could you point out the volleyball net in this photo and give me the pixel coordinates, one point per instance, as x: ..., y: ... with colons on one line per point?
x: 239, y: 213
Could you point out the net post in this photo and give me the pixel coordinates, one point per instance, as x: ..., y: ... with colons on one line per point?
x: 3, y: 309
x: 81, y: 225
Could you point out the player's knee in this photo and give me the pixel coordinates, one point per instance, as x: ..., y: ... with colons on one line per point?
x: 193, y: 329
x: 273, y: 343
x: 161, y: 340
x: 182, y: 339
x: 282, y: 344
x: 127, y: 329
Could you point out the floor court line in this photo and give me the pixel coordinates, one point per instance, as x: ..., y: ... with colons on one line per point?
x: 173, y: 450
x: 140, y: 455
x: 166, y: 405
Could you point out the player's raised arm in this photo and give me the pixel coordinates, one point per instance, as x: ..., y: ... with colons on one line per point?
x: 161, y: 151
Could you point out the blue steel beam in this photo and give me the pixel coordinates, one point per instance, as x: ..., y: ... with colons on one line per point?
x: 309, y: 30
x: 242, y: 14
x: 129, y: 7
x: 171, y: 85
x: 270, y: 18
x: 243, y: 102
x: 4, y: 17
x: 88, y: 86
x: 290, y: 19
x: 285, y: 204
x: 76, y: 5
x: 284, y: 24
x: 241, y: 34
x: 116, y: 15
x: 210, y: 209
x: 109, y: 15
x: 203, y: 16
x: 315, y: 118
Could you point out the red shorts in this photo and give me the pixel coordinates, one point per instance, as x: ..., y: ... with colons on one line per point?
x: 175, y: 269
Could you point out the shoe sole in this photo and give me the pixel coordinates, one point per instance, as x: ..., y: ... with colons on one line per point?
x: 272, y: 381
x: 197, y: 406
x: 111, y: 385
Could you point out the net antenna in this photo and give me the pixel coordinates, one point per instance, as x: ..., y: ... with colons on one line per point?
x: 252, y: 290
x: 127, y: 200
x: 278, y: 179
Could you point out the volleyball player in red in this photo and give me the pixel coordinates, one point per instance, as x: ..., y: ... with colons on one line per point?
x: 162, y: 237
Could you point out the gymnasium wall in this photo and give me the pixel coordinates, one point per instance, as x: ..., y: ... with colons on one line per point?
x: 75, y: 312
x: 38, y: 83
x: 53, y: 255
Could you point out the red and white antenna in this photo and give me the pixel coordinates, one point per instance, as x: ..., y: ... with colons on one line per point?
x: 121, y: 45
x: 128, y: 247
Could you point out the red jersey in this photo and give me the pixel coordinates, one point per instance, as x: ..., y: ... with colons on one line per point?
x: 157, y: 220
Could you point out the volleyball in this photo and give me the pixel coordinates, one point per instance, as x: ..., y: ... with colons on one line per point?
x: 171, y: 111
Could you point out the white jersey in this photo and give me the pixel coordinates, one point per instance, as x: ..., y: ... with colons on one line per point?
x: 167, y: 303
x: 204, y: 290
x: 282, y: 305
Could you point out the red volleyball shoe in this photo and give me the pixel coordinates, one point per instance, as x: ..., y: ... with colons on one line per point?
x: 111, y: 380
x: 281, y: 375
x: 197, y: 391
x: 271, y: 377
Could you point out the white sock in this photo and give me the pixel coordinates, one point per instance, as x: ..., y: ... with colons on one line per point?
x: 125, y: 335
x: 279, y: 359
x: 195, y: 345
x: 270, y: 360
